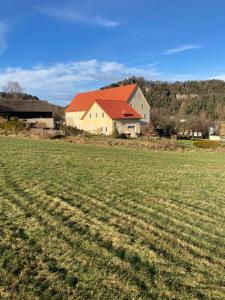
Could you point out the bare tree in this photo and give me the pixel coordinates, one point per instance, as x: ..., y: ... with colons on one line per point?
x: 200, y: 123
x: 13, y: 87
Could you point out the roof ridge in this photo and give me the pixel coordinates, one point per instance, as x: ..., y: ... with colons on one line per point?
x: 108, y: 88
x: 109, y: 100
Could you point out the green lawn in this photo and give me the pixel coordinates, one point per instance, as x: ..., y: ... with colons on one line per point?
x: 186, y: 143
x: 91, y: 222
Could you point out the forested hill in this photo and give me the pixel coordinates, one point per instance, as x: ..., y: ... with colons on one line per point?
x: 183, y: 99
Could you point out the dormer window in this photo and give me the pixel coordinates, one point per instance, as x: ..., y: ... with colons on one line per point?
x: 125, y: 114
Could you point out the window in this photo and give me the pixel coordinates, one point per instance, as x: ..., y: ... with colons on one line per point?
x: 144, y: 116
x: 103, y: 114
x: 96, y: 115
x: 142, y: 106
x: 90, y: 116
x: 130, y: 126
x: 106, y: 129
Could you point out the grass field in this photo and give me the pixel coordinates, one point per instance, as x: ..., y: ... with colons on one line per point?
x: 91, y: 222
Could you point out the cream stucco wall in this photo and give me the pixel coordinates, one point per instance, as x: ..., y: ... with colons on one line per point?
x: 131, y: 127
x: 46, y: 122
x: 140, y: 104
x: 97, y: 121
x: 74, y: 119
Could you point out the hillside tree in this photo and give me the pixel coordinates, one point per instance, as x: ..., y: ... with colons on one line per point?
x: 13, y: 87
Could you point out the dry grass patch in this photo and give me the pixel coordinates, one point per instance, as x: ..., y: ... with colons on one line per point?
x: 147, y: 144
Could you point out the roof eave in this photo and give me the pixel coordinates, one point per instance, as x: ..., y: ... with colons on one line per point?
x: 130, y: 118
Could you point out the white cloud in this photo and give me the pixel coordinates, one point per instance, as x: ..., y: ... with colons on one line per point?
x: 104, y: 22
x: 75, y: 16
x: 3, y: 41
x: 181, y: 48
x: 59, y: 82
x: 220, y: 77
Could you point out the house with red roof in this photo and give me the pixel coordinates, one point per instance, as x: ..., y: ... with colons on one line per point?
x: 124, y: 108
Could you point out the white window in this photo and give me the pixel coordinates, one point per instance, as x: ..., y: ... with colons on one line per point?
x: 103, y: 114
x: 96, y: 115
x: 106, y: 129
x: 90, y: 116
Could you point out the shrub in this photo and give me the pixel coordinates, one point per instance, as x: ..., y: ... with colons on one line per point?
x: 115, y: 134
x: 69, y: 130
x: 207, y: 144
x: 123, y: 136
x: 13, y: 125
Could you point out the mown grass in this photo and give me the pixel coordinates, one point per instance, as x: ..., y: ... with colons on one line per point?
x: 91, y: 222
x: 186, y: 143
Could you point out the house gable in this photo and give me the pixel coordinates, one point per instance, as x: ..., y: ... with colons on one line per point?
x: 139, y: 103
x: 96, y: 120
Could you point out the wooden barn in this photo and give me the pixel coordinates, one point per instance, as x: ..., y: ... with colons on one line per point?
x: 36, y: 113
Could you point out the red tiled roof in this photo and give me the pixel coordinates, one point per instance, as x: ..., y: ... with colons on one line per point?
x: 116, y: 109
x: 83, y: 101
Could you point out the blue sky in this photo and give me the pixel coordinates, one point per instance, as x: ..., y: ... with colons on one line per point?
x: 58, y: 48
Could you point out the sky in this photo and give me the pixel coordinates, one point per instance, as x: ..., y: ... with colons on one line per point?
x: 56, y: 48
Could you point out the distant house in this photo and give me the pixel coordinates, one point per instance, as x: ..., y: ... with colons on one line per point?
x: 124, y: 108
x: 217, y: 132
x: 37, y: 113
x: 186, y: 96
x: 182, y: 97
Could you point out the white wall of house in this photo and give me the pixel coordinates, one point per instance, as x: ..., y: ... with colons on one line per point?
x: 215, y: 137
x: 42, y: 122
x: 131, y: 127
x: 139, y: 103
x: 74, y: 119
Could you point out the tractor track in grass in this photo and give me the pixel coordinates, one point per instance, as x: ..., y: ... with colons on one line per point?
x: 57, y: 211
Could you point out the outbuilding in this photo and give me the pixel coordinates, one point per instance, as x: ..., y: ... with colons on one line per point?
x: 36, y: 113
